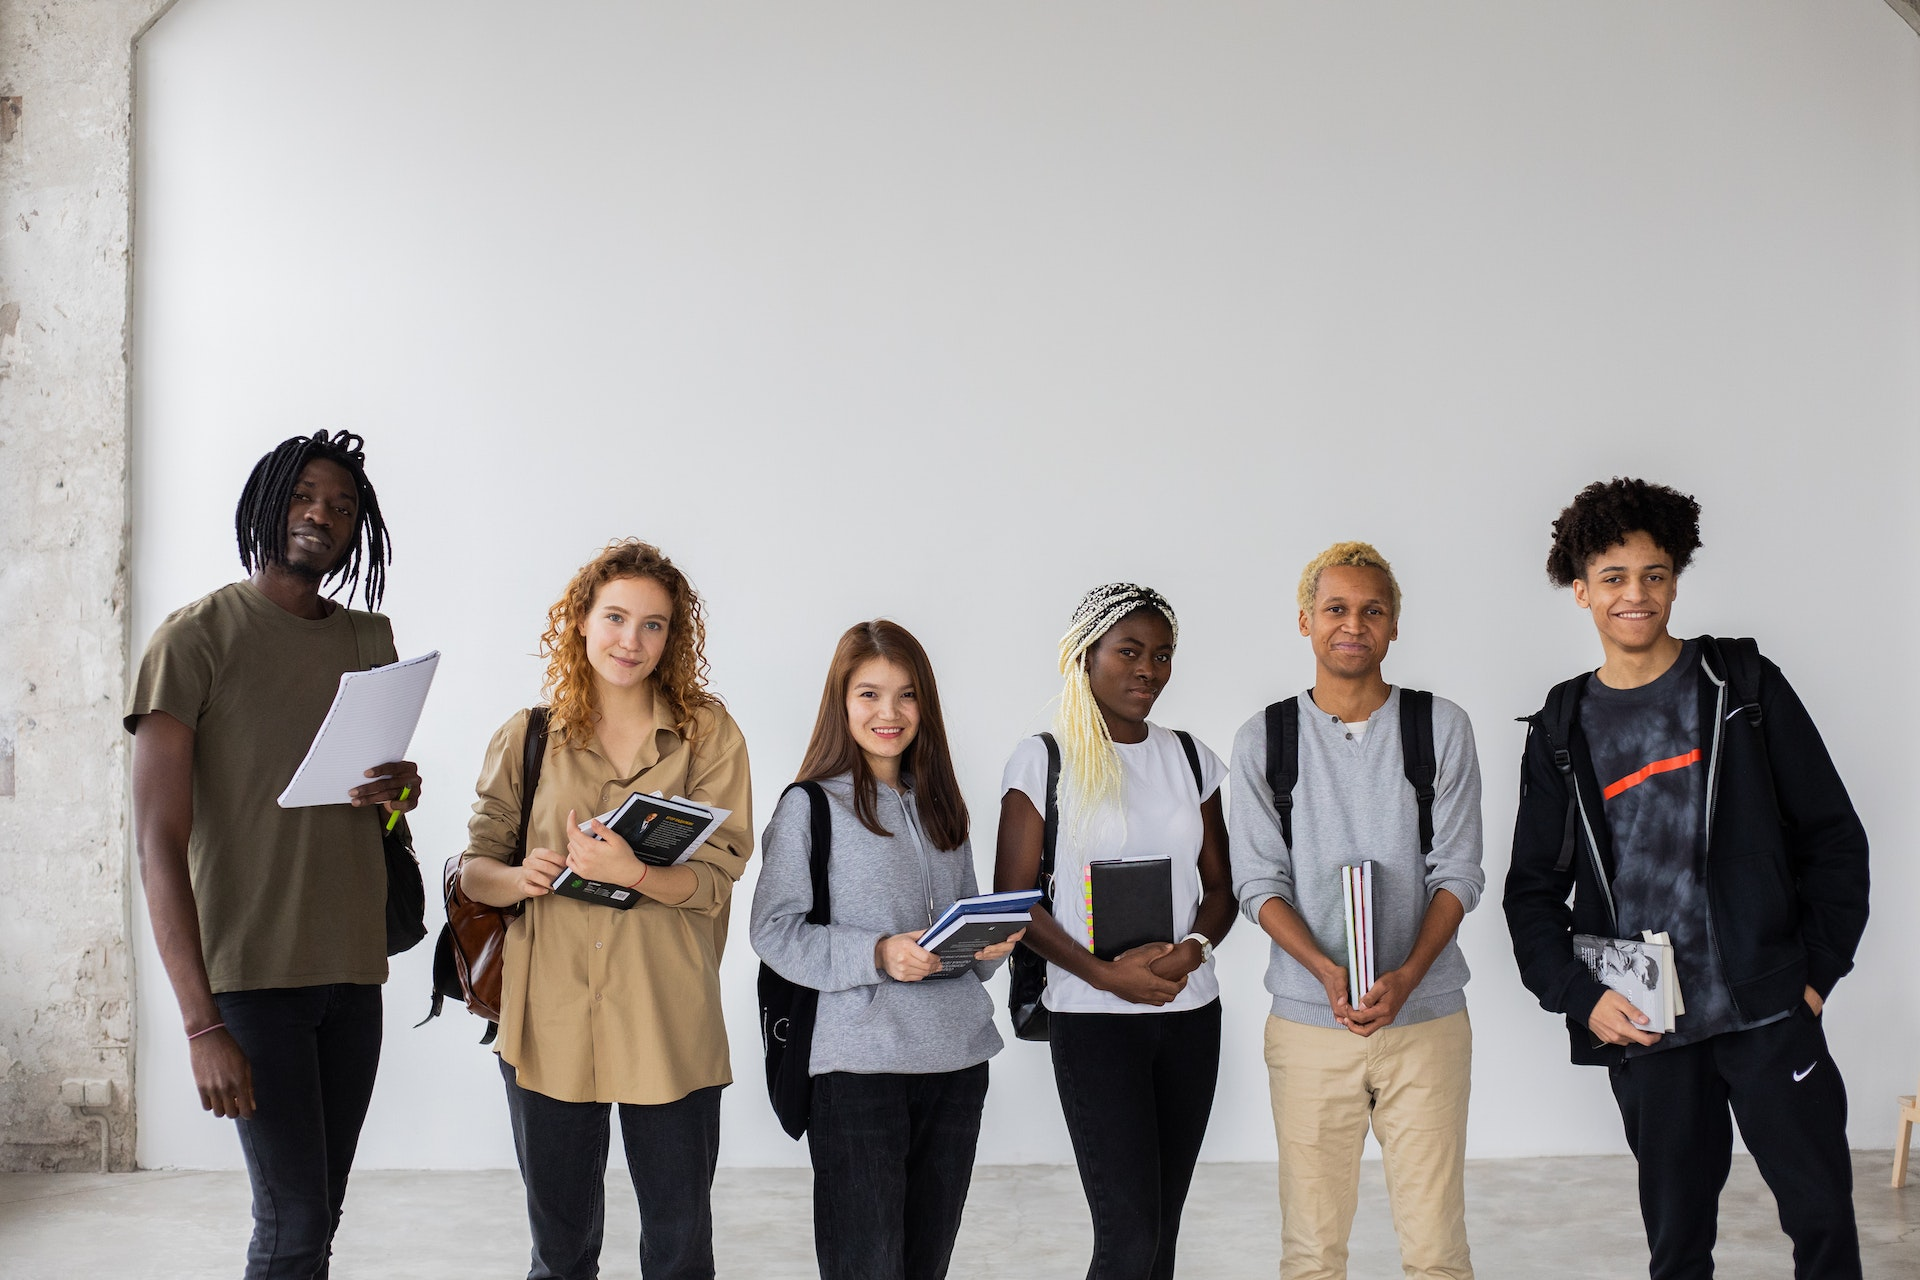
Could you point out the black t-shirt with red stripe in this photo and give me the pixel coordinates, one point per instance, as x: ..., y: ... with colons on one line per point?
x: 1651, y: 760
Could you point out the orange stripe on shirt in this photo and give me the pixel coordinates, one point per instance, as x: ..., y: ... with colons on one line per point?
x: 1639, y: 776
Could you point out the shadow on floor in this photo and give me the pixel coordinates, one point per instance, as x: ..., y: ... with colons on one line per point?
x: 1570, y: 1218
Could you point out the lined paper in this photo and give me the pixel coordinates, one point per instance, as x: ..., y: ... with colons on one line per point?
x: 371, y: 722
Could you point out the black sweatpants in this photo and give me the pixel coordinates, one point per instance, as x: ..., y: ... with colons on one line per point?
x: 1136, y: 1089
x: 1784, y: 1089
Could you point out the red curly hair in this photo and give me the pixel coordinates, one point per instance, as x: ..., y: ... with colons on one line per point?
x: 682, y: 673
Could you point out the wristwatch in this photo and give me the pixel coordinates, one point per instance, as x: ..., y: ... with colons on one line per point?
x: 1206, y: 947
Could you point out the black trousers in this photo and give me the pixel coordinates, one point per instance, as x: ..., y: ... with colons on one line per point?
x: 314, y: 1052
x: 1137, y: 1089
x: 892, y: 1161
x: 672, y: 1149
x: 1782, y: 1086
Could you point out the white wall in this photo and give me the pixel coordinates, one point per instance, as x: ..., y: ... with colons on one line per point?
x: 950, y: 312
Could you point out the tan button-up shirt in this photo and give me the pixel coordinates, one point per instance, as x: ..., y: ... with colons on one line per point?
x: 601, y: 1005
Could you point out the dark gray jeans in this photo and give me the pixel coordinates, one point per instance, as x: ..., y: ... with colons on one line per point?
x: 892, y: 1161
x: 672, y: 1149
x: 313, y: 1052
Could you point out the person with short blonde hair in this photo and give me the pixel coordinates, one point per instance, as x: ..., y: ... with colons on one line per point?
x: 1389, y: 776
x: 1349, y: 555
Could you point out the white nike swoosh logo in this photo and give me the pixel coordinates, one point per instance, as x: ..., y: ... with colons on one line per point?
x: 1798, y: 1076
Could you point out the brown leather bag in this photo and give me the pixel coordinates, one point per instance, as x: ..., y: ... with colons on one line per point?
x: 468, y: 957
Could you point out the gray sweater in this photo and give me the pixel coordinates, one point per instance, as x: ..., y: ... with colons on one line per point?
x: 879, y: 886
x: 1352, y: 803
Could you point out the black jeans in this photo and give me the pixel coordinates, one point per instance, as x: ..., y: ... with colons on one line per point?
x: 313, y: 1052
x: 1784, y: 1089
x: 1137, y: 1089
x: 671, y: 1152
x: 892, y: 1160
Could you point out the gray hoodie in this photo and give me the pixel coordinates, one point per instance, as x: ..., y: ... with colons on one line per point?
x: 879, y: 886
x: 1352, y: 803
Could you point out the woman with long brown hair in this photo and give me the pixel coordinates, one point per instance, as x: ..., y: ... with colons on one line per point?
x: 899, y: 1057
x: 602, y: 1006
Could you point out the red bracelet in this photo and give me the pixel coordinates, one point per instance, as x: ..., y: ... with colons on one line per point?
x: 644, y: 868
x: 205, y: 1030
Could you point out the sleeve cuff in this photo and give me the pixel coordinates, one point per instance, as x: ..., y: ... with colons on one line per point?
x: 1466, y: 890
x: 1250, y: 908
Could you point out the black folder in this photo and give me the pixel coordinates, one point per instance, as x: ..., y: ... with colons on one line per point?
x: 1131, y: 900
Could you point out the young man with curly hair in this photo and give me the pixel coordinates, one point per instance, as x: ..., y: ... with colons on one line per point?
x: 1683, y: 788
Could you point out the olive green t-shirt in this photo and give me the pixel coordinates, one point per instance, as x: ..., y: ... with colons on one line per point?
x: 286, y: 897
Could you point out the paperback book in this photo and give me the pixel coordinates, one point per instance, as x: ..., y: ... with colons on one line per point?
x: 1641, y: 969
x: 662, y: 833
x: 972, y: 924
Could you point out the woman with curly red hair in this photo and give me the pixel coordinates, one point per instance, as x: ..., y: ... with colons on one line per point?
x: 602, y: 1006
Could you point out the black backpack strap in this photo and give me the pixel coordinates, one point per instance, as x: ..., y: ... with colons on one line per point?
x: 1050, y: 831
x: 532, y: 754
x: 1417, y: 757
x: 819, y: 849
x: 1193, y: 759
x: 1738, y: 662
x: 1557, y: 720
x: 1283, y: 760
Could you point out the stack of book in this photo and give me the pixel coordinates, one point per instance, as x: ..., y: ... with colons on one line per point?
x: 974, y: 924
x: 1357, y: 890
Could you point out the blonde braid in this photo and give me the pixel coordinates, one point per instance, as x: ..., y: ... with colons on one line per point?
x: 1091, y: 773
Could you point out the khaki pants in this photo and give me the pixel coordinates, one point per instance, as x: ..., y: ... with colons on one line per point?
x: 1412, y: 1082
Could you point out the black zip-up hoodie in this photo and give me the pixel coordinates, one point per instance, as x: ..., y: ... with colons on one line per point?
x: 1786, y: 859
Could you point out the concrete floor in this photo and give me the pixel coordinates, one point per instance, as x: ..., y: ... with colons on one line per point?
x: 1569, y: 1218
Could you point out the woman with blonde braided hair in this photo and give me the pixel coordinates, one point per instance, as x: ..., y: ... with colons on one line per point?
x: 1135, y: 1037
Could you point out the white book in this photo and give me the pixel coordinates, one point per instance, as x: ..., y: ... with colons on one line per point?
x: 371, y: 722
x: 1641, y: 971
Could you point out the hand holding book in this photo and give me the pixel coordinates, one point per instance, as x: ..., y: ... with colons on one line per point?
x: 902, y: 958
x: 601, y: 853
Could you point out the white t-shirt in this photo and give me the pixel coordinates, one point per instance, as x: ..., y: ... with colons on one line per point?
x: 1162, y: 820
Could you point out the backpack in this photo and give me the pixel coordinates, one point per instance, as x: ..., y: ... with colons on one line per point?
x: 406, y: 892
x: 471, y: 949
x: 1416, y: 758
x: 1738, y: 661
x: 1026, y: 970
x: 787, y: 1009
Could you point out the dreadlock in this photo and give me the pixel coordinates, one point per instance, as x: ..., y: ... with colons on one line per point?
x: 260, y: 519
x: 1090, y: 764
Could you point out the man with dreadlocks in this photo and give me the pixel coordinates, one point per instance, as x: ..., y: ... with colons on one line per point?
x: 1135, y: 1038
x: 1682, y: 788
x: 271, y: 921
